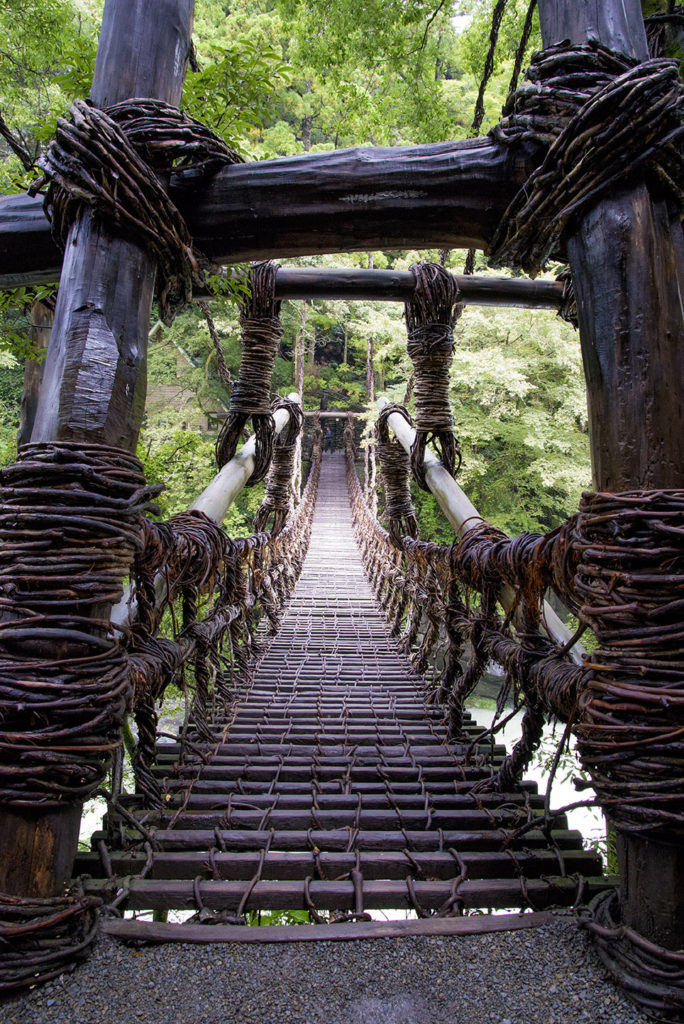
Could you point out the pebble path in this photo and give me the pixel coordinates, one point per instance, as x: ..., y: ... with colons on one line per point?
x: 547, y: 975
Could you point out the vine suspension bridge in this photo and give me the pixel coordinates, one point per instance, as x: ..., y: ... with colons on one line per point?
x: 328, y: 785
x: 315, y: 771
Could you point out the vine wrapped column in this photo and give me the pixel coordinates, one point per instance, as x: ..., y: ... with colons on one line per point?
x: 627, y: 258
x: 86, y: 426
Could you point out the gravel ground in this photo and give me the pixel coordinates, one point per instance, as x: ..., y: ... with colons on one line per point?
x: 546, y: 975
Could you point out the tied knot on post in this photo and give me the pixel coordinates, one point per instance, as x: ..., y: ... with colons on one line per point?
x: 70, y: 524
x: 430, y: 318
x: 251, y: 396
x: 395, y: 473
x: 604, y: 119
x: 114, y: 162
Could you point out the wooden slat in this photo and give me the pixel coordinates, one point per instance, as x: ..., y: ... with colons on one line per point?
x: 338, y: 839
x: 174, y: 894
x: 296, y: 864
x: 149, y: 931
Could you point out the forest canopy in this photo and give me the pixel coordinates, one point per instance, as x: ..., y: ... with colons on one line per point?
x: 280, y: 77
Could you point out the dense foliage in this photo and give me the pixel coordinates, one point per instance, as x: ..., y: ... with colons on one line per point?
x: 278, y: 77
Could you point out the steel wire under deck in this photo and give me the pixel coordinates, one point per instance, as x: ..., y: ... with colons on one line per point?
x: 331, y: 787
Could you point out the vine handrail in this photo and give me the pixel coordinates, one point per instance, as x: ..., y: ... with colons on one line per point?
x: 214, y: 502
x: 463, y: 516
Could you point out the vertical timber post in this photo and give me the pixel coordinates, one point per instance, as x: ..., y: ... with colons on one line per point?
x: 94, y: 381
x: 627, y: 261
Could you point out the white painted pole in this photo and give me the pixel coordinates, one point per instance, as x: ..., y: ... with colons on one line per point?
x: 214, y: 501
x: 462, y: 514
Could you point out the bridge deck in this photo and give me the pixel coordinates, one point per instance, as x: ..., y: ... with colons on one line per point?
x: 331, y: 787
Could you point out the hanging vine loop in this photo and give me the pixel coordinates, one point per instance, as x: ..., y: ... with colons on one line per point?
x: 430, y: 318
x: 251, y: 397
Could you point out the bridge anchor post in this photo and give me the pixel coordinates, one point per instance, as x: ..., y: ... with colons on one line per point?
x: 627, y: 261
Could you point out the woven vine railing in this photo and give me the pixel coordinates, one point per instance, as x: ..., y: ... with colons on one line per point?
x: 217, y: 591
x: 433, y: 616
x: 619, y: 565
x: 241, y: 584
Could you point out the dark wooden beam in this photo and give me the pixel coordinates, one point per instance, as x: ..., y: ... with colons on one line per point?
x: 627, y: 260
x: 445, y: 195
x: 399, y: 286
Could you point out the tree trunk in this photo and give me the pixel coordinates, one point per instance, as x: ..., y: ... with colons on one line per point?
x: 311, y: 352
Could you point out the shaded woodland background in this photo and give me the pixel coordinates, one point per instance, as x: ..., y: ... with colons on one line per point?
x: 279, y: 77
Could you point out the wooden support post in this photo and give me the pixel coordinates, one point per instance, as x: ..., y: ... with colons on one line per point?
x: 627, y: 260
x: 94, y: 381
x: 93, y: 387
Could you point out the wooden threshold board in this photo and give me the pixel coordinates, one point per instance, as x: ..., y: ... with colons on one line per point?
x: 151, y: 931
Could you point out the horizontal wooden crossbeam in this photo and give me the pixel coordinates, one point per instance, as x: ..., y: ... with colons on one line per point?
x: 399, y: 286
x: 443, y: 195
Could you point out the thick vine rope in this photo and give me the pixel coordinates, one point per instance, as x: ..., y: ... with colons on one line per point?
x: 568, y: 306
x: 497, y: 16
x: 109, y: 161
x: 430, y: 318
x: 652, y: 975
x: 251, y: 396
x: 395, y: 473
x: 620, y: 563
x: 42, y: 938
x: 605, y: 119
x: 70, y: 518
x: 279, y: 497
